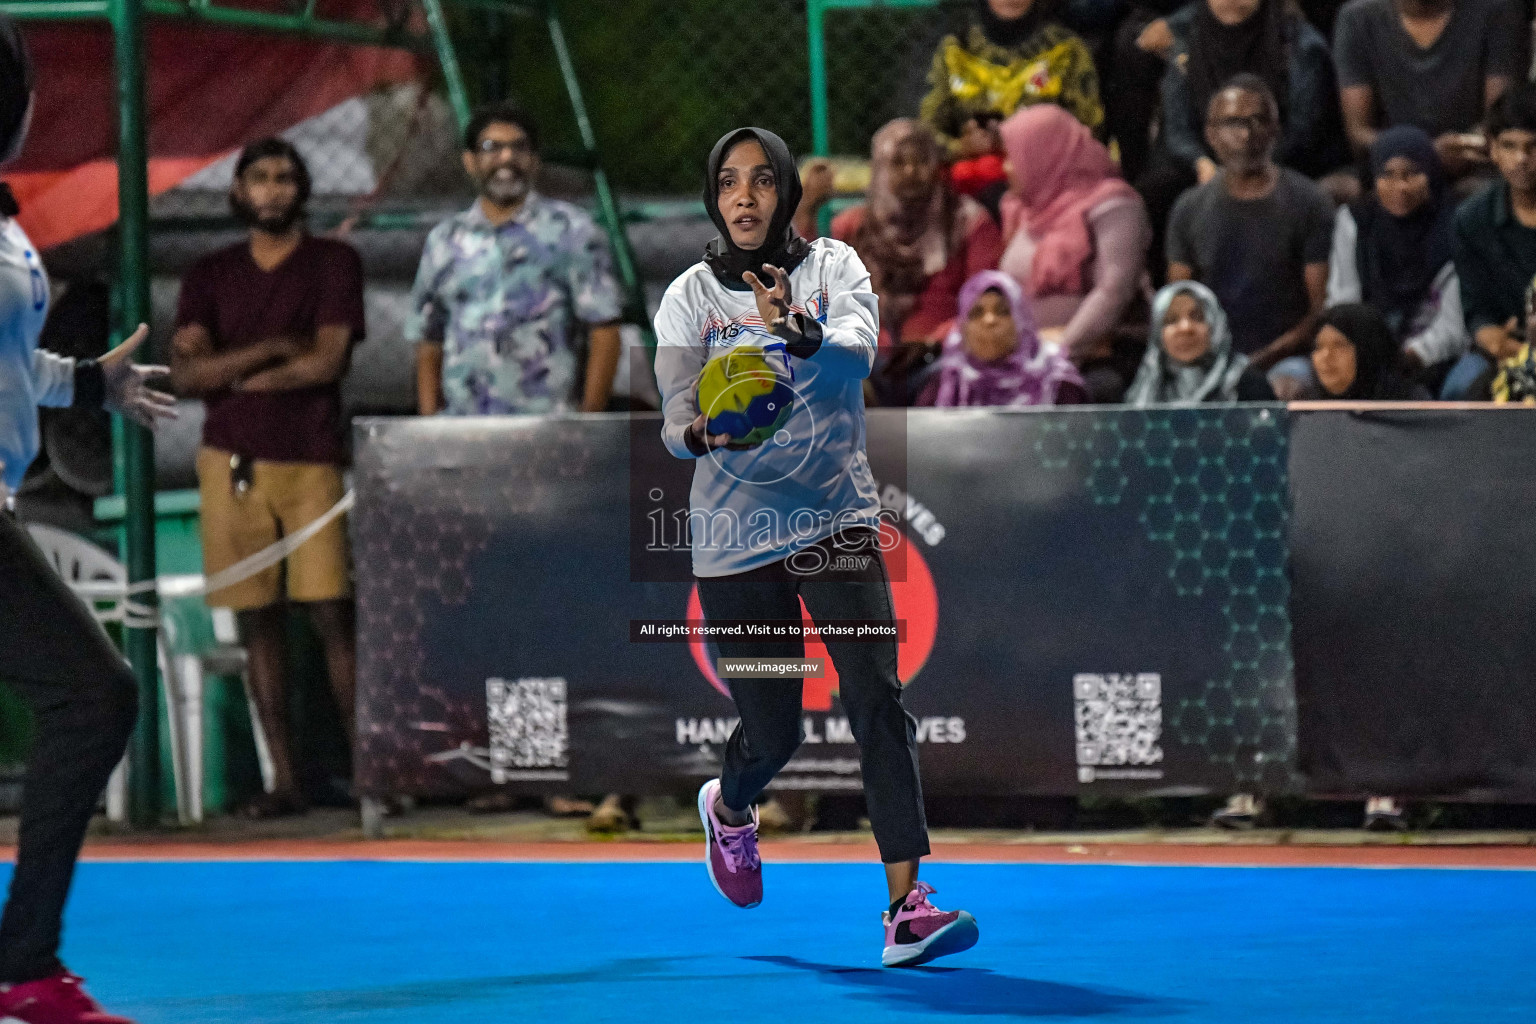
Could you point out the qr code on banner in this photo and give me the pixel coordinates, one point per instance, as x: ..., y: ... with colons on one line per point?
x: 1119, y: 718
x: 527, y: 724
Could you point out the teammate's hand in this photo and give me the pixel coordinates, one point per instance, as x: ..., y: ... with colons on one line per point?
x: 772, y: 302
x: 127, y: 384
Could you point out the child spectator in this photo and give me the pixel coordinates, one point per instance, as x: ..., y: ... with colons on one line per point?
x: 994, y: 356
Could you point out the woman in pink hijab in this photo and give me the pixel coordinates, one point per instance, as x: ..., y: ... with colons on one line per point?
x: 1076, y: 236
x: 994, y: 357
x: 920, y: 241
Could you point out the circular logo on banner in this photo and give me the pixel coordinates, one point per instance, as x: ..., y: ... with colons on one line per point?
x: 917, y: 605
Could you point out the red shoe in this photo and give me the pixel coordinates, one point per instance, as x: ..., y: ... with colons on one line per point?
x: 60, y: 999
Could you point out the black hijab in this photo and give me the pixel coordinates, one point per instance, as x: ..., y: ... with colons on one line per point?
x: 784, y: 247
x: 1218, y: 53
x: 1399, y: 257
x: 1375, y: 353
x: 1011, y: 32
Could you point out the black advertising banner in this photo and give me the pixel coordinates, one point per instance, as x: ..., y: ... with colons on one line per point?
x: 1414, y: 619
x: 1091, y: 601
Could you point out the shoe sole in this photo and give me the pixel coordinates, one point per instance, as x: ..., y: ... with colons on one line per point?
x: 956, y: 937
x: 709, y: 845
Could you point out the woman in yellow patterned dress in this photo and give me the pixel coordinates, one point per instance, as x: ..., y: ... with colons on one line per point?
x: 1015, y: 54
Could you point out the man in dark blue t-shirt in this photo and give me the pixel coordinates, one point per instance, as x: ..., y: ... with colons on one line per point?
x: 1257, y: 234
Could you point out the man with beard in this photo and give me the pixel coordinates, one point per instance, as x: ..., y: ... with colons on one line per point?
x: 505, y: 288
x: 264, y: 333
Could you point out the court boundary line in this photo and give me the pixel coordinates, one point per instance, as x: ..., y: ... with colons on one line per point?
x: 1516, y: 858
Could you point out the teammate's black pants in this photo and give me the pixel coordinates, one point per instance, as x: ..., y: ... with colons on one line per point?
x: 83, y: 701
x: 870, y: 691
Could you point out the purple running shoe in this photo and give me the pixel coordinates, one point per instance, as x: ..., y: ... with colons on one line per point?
x: 919, y: 932
x: 734, y: 866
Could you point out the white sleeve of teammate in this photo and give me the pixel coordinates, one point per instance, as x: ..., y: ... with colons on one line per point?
x: 1446, y: 336
x: 53, y: 377
x: 679, y: 361
x: 853, y: 319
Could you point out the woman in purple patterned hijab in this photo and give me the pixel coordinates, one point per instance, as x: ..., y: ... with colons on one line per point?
x: 994, y: 356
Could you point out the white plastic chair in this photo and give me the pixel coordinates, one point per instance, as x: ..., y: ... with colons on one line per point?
x: 100, y: 581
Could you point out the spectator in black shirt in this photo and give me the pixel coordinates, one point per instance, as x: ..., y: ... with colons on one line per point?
x: 1434, y: 64
x: 1258, y: 235
x: 1496, y: 246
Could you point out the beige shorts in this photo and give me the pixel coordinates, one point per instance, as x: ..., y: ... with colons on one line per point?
x: 284, y: 497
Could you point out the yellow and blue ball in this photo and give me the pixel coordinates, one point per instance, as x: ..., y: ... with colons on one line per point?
x: 746, y: 393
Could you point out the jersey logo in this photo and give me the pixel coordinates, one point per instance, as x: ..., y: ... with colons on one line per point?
x: 39, y: 285
x: 717, y: 330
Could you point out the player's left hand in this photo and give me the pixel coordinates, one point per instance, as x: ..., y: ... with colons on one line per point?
x: 772, y: 302
x: 127, y: 384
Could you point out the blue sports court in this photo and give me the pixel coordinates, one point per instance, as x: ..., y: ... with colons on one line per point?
x: 428, y: 942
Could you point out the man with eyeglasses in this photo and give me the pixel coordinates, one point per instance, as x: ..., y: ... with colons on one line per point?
x: 1257, y: 234
x: 505, y: 289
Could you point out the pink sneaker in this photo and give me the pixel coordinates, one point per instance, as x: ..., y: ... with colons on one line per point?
x: 734, y: 866
x: 919, y: 931
x: 59, y: 999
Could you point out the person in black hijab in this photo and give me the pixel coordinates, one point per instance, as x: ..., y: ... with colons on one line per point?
x: 762, y: 351
x: 784, y: 247
x: 1405, y: 239
x: 1354, y: 358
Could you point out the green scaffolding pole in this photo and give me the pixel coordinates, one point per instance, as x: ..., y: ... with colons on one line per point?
x: 448, y: 59
x: 607, y: 206
x: 139, y: 456
x: 816, y: 40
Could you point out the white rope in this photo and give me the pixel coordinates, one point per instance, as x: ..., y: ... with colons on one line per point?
x: 137, y: 615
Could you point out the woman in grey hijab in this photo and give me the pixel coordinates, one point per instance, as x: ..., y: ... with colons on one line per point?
x: 1189, y: 354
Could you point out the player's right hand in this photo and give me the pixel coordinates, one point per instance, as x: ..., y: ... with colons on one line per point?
x: 700, y: 427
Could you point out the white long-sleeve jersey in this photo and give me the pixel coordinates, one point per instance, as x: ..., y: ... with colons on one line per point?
x: 751, y: 508
x: 29, y: 376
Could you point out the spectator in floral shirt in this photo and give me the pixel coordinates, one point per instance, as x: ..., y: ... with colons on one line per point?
x: 505, y: 289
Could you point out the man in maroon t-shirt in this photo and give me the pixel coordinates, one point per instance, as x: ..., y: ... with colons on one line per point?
x: 264, y: 333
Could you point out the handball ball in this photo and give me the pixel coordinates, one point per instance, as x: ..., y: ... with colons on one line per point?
x: 746, y: 394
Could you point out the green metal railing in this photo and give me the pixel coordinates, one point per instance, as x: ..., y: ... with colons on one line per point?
x: 133, y: 445
x: 816, y: 29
